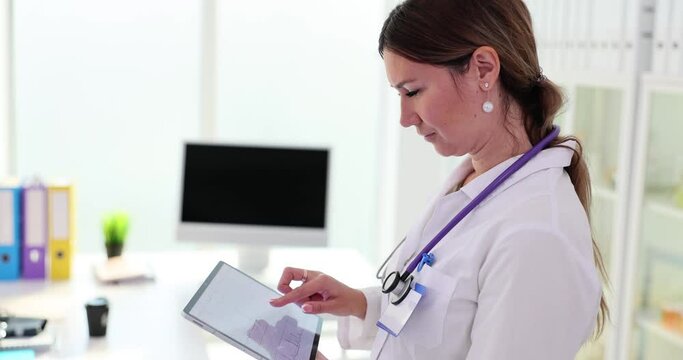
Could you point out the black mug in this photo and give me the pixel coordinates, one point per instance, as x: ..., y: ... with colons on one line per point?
x: 98, y: 311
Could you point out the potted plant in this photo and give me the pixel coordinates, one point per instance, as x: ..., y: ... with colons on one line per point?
x: 115, y: 228
x: 678, y: 196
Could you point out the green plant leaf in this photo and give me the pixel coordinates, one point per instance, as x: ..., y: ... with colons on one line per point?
x: 115, y: 227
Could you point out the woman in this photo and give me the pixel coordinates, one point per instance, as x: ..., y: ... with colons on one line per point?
x: 518, y: 278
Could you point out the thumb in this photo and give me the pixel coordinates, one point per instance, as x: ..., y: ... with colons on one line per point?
x: 319, y: 307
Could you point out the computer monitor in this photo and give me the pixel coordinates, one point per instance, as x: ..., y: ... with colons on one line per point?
x: 254, y: 195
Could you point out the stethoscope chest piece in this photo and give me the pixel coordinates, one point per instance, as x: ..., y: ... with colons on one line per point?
x: 397, y: 288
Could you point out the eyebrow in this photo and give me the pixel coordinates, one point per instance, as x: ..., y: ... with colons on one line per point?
x: 400, y: 85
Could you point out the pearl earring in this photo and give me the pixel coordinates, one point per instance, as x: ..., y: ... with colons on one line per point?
x: 488, y: 105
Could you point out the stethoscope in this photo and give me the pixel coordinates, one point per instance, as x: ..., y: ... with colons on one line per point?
x: 399, y: 285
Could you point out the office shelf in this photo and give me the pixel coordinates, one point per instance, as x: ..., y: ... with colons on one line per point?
x: 664, y: 207
x: 651, y: 325
x: 626, y: 112
x: 604, y: 193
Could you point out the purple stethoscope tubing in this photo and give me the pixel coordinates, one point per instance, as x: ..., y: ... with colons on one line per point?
x: 518, y: 164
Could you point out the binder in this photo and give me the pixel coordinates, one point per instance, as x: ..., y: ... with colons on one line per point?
x: 600, y: 28
x: 675, y: 60
x: 660, y: 51
x: 586, y: 42
x: 613, y: 12
x: 10, y: 229
x: 574, y: 34
x: 60, y: 230
x: 565, y: 34
x: 35, y: 231
x: 553, y: 10
x: 538, y: 21
x: 558, y: 16
x: 630, y: 35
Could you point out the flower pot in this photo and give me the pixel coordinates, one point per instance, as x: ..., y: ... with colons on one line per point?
x: 114, y: 250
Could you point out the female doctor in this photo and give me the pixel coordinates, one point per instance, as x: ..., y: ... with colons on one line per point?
x: 519, y: 277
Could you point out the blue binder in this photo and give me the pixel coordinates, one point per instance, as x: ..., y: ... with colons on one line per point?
x: 10, y: 230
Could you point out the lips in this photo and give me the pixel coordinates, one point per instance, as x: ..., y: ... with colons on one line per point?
x: 430, y: 136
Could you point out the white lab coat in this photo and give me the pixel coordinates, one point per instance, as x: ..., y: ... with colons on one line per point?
x: 514, y: 280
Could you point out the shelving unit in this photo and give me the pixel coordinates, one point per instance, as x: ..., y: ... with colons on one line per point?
x: 664, y: 207
x: 596, y: 51
x: 599, y: 113
x: 655, y: 258
x: 620, y: 63
x: 605, y: 193
x: 653, y: 326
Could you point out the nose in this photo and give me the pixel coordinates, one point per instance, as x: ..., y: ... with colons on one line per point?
x: 408, y: 115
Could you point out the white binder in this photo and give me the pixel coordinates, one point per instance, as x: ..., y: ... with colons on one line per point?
x: 539, y: 20
x: 585, y: 33
x: 675, y: 58
x: 660, y: 47
x: 554, y: 31
x: 598, y: 30
x: 630, y: 36
x: 613, y: 13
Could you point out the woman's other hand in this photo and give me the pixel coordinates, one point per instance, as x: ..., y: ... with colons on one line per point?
x: 320, y: 293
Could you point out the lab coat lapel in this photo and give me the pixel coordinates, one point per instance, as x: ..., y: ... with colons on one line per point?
x: 548, y: 158
x: 414, y: 236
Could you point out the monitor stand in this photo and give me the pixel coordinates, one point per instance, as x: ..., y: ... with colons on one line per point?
x: 253, y: 259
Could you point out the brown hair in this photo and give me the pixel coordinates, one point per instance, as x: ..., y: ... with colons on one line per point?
x: 447, y: 32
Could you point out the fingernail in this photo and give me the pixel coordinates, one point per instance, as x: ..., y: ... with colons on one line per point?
x: 307, y: 308
x: 272, y: 300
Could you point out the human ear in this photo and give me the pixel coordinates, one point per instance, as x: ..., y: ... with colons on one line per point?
x: 486, y: 65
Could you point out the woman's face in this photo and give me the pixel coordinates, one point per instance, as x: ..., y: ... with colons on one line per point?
x: 449, y: 117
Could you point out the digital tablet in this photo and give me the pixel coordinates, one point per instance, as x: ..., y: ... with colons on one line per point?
x: 235, y: 308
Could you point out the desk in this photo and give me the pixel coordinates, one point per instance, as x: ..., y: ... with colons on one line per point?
x: 144, y: 317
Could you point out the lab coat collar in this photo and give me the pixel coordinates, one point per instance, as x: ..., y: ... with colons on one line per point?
x: 548, y: 158
x: 556, y: 157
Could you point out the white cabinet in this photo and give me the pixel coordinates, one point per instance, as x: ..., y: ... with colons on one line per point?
x: 607, y: 46
x: 655, y: 264
x: 599, y: 114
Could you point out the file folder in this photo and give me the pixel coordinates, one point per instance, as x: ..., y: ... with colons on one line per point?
x: 675, y: 59
x: 586, y: 40
x: 35, y: 231
x: 631, y: 35
x: 660, y: 51
x: 10, y: 230
x: 60, y: 230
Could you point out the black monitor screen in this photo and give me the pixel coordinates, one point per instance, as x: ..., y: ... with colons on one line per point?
x: 254, y: 186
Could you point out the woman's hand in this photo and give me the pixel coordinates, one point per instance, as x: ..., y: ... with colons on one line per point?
x: 320, y: 293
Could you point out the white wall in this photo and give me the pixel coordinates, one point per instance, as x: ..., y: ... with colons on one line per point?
x: 6, y: 158
x: 105, y: 92
x: 306, y: 72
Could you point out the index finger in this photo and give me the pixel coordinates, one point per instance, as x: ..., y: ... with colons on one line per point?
x: 289, y: 274
x: 302, y: 292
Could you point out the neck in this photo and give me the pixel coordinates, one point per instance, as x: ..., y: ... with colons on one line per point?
x: 498, y: 147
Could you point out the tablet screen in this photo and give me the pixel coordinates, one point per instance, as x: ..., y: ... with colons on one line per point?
x: 237, y: 306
